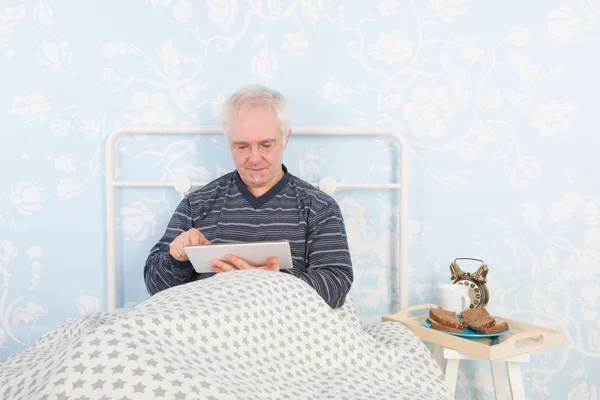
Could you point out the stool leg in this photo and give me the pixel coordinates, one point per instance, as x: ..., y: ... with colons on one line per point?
x: 516, y: 380
x: 451, y: 373
x: 437, y: 352
x: 498, y: 377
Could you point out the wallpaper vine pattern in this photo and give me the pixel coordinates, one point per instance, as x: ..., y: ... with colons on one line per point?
x: 497, y: 100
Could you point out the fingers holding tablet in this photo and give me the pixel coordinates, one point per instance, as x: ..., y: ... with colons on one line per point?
x: 192, y: 237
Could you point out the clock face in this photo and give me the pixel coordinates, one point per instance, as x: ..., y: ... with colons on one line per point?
x: 476, y: 292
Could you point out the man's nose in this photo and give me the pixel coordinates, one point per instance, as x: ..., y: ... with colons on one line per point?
x: 255, y: 153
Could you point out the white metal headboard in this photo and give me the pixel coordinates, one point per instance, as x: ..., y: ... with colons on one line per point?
x: 183, y: 184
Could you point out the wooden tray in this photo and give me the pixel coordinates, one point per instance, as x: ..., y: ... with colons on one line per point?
x: 523, y: 338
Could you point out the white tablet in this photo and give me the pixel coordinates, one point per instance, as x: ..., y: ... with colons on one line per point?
x: 254, y: 253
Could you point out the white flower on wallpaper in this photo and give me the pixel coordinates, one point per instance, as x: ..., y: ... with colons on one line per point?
x: 310, y: 10
x: 392, y: 48
x: 161, y: 3
x: 265, y: 63
x: 54, y: 55
x: 309, y: 163
x: 31, y: 106
x: 526, y: 172
x: 30, y: 313
x: 26, y: 197
x: 523, y: 67
x: 137, y: 222
x: 429, y: 111
x: 564, y: 208
x: 216, y: 106
x: 493, y: 99
x: 110, y: 49
x: 518, y: 35
x: 223, y: 13
x: 87, y: 304
x: 151, y: 109
x: 188, y: 93
x: 592, y: 237
x: 473, y: 55
x: 90, y: 128
x: 519, y: 100
x: 580, y: 267
x: 449, y: 10
x: 35, y: 253
x: 9, y: 252
x: 552, y: 117
x: 170, y: 57
x: 532, y: 213
x: 60, y: 126
x: 67, y: 188
x: 43, y: 13
x: 295, y: 43
x: 10, y: 15
x: 62, y: 163
x: 562, y: 25
x: 183, y: 11
x: 583, y: 392
x: 335, y: 92
x: 591, y: 211
x: 388, y: 8
x: 196, y: 173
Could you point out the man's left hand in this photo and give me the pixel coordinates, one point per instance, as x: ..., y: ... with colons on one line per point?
x: 235, y: 263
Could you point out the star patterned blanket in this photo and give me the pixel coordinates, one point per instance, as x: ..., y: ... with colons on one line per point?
x: 238, y: 335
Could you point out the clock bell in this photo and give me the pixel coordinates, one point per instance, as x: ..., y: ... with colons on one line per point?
x: 476, y: 282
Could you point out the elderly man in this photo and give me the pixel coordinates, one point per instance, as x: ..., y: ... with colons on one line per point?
x: 259, y: 201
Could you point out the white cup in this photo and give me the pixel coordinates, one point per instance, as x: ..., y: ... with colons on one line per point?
x: 453, y: 297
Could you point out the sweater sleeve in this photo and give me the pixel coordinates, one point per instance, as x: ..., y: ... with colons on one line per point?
x: 329, y: 269
x: 162, y: 270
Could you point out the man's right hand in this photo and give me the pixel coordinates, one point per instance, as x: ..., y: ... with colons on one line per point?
x: 193, y: 237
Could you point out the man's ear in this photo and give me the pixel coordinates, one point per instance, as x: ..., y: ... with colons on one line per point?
x: 286, y: 139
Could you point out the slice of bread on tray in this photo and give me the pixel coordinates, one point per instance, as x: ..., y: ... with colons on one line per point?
x: 444, y: 320
x: 480, y: 320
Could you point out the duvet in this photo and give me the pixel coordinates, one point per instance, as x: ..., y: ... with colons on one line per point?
x: 238, y: 335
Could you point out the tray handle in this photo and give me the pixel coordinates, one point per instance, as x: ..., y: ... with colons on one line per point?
x: 514, y: 339
x: 406, y: 311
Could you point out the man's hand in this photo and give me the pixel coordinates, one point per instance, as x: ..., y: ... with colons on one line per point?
x: 235, y: 263
x: 193, y: 237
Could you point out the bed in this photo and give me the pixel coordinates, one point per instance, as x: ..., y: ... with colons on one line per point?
x: 239, y: 335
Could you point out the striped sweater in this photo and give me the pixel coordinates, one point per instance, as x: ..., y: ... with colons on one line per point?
x: 226, y: 211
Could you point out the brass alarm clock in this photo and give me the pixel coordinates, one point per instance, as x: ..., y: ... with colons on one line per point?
x: 476, y: 282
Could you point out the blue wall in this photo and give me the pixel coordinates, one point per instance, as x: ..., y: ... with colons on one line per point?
x: 497, y: 100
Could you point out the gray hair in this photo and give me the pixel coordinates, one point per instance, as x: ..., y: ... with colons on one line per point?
x: 252, y: 96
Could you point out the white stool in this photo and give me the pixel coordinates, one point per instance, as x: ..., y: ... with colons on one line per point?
x: 513, y: 366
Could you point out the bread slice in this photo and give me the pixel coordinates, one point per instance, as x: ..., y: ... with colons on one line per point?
x: 478, y: 319
x: 499, y: 327
x: 444, y: 328
x: 445, y: 318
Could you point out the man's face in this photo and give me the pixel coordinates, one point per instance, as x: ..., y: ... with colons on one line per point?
x: 257, y: 147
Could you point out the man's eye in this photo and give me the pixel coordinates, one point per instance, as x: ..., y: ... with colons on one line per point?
x: 267, y: 145
x: 242, y: 147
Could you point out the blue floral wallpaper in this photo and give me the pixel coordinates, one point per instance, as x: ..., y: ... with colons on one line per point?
x: 497, y: 100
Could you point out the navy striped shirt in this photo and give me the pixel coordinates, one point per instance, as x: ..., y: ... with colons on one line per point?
x: 226, y: 211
